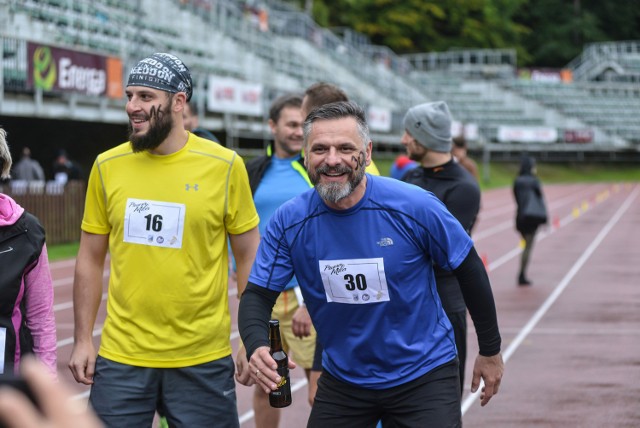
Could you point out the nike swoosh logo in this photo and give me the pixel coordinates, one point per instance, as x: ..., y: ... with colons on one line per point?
x: 7, y: 250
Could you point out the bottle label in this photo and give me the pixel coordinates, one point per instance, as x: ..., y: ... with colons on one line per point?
x: 283, y: 381
x: 354, y: 281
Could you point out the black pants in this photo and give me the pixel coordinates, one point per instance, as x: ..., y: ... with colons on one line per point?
x: 432, y: 400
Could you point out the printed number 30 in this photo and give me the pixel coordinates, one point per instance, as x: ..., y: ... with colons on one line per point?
x: 154, y: 222
x: 360, y: 281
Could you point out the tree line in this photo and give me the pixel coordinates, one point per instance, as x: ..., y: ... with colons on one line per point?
x: 544, y: 33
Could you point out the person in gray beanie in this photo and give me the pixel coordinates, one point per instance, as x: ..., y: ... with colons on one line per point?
x: 430, y: 125
x: 428, y: 141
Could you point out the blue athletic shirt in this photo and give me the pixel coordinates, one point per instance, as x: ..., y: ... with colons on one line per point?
x: 367, y: 279
x: 279, y: 184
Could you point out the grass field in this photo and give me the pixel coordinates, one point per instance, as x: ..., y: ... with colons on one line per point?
x: 499, y: 175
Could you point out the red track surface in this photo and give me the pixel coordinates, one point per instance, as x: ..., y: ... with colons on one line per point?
x: 571, y: 342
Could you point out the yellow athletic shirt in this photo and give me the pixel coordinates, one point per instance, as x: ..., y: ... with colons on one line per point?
x: 167, y: 218
x: 372, y: 169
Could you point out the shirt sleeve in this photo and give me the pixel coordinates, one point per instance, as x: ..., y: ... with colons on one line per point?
x: 95, y: 213
x: 39, y: 312
x: 241, y: 215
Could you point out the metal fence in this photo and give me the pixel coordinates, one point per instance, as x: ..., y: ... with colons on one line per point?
x: 59, y: 209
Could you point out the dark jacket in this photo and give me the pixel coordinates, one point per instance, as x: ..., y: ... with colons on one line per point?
x: 525, y: 187
x: 256, y: 168
x: 460, y: 193
x: 21, y: 244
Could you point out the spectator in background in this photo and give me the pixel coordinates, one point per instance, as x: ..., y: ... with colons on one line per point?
x: 276, y: 178
x: 64, y: 170
x: 427, y: 138
x: 191, y: 121
x: 28, y: 169
x: 401, y: 165
x: 163, y: 205
x: 459, y: 151
x: 531, y: 212
x: 27, y: 322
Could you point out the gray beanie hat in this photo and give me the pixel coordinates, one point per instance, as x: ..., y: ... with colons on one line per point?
x: 430, y: 125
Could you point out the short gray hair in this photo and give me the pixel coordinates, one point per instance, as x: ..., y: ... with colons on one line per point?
x: 337, y: 110
x: 5, y: 156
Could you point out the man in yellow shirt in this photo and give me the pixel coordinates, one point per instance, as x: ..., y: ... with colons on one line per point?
x: 163, y: 205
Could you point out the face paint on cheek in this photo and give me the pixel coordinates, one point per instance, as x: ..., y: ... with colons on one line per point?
x: 360, y: 160
x: 156, y: 112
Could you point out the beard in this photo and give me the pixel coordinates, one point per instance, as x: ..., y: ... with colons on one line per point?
x: 418, y: 153
x: 335, y: 192
x: 159, y: 129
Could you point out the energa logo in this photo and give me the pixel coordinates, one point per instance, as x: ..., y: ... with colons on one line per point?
x: 44, y: 68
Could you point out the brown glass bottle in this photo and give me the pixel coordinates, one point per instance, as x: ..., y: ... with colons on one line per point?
x: 281, y: 397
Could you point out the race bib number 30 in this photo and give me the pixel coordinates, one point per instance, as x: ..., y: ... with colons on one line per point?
x: 356, y: 281
x: 160, y: 224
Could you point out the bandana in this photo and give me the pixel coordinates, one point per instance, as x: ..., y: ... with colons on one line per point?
x: 162, y: 71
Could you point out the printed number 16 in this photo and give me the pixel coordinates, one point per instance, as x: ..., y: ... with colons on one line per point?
x: 154, y: 222
x: 360, y: 281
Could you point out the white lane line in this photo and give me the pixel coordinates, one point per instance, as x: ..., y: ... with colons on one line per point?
x: 68, y: 280
x: 544, y: 232
x: 247, y: 416
x: 63, y: 264
x: 69, y: 340
x: 510, y: 224
x: 556, y: 203
x: 513, y: 346
x: 69, y: 305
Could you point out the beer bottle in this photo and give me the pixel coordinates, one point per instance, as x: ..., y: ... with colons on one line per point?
x: 281, y: 397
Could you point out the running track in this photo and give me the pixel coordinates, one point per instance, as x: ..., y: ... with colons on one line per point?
x: 571, y: 342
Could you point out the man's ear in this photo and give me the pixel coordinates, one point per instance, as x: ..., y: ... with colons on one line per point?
x: 369, y: 151
x: 179, y: 101
x: 272, y: 126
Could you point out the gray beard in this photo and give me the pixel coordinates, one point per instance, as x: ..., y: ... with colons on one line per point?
x: 334, y: 192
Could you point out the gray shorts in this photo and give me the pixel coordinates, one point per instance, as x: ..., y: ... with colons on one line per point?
x: 196, y: 396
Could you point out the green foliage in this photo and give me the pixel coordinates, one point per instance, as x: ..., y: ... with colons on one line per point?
x: 544, y: 33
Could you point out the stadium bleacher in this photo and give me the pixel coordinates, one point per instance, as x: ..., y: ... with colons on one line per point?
x: 283, y: 49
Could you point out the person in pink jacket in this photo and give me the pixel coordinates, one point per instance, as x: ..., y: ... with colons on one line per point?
x: 27, y: 323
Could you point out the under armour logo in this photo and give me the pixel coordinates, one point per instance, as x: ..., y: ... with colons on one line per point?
x: 189, y: 187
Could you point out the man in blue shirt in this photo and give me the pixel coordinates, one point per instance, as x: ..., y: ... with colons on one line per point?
x: 275, y: 178
x: 363, y: 249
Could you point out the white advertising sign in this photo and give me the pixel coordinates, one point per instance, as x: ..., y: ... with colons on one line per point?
x: 229, y: 95
x: 379, y: 119
x: 527, y: 134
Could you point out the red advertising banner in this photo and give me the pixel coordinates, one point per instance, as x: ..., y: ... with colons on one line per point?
x: 578, y: 135
x: 62, y: 70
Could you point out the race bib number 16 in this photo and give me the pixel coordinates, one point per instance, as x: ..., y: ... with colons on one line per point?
x: 155, y: 223
x: 354, y: 281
